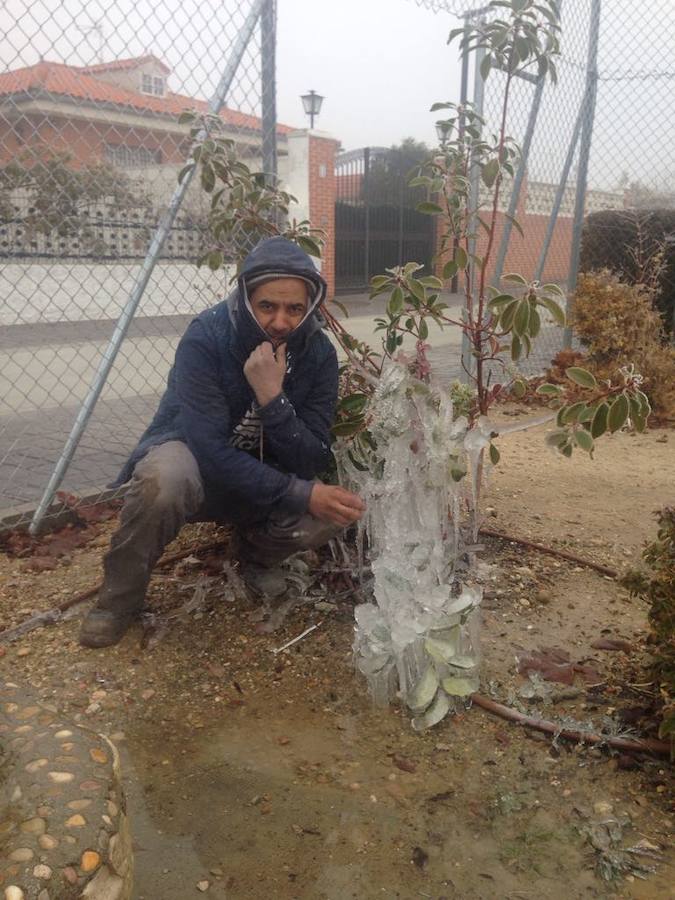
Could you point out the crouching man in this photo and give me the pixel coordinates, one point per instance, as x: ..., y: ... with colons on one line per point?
x: 240, y: 434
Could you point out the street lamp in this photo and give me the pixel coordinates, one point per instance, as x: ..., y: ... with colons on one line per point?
x: 312, y: 105
x: 443, y: 131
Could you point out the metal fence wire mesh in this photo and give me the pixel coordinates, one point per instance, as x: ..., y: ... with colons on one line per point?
x: 90, y: 148
x: 616, y: 101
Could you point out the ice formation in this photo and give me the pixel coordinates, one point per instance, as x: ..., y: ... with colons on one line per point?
x: 420, y: 639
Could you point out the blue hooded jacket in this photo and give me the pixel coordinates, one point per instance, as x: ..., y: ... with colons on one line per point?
x: 207, y: 396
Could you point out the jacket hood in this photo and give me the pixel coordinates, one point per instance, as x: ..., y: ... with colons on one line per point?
x: 276, y: 256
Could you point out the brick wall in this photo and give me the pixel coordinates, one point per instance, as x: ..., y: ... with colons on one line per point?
x: 322, y: 187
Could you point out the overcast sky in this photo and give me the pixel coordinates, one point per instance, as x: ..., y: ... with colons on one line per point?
x: 379, y: 63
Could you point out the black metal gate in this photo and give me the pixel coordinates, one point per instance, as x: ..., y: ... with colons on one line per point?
x: 376, y: 223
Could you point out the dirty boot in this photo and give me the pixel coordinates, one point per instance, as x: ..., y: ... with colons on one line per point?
x: 269, y: 583
x: 105, y: 627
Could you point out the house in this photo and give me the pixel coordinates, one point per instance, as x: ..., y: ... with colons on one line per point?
x: 124, y: 113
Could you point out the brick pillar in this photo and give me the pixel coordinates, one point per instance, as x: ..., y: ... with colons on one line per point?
x: 311, y: 178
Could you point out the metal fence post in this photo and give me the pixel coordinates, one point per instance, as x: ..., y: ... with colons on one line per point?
x: 141, y: 282
x: 560, y: 191
x: 518, y: 181
x: 474, y: 202
x: 268, y: 46
x: 366, y: 203
x: 584, y: 153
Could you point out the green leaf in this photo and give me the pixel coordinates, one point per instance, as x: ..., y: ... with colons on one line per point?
x: 489, y: 174
x: 518, y: 388
x: 582, y: 377
x: 186, y: 117
x: 353, y: 403
x: 521, y: 319
x: 416, y: 288
x: 395, y: 305
x: 599, y: 421
x: 461, y: 258
x: 500, y: 300
x: 535, y: 322
x: 515, y: 278
x: 184, y: 171
x: 485, y: 66
x: 583, y: 440
x: 516, y: 348
x: 431, y: 281
x: 549, y: 390
x: 618, y: 413
x: 494, y: 455
x: 554, y: 309
x: 556, y: 438
x: 347, y: 429
x: 424, y: 330
x: 309, y: 245
x: 506, y: 319
x: 208, y: 178
x: 573, y: 412
x: 432, y: 209
x: 436, y: 106
x: 450, y: 269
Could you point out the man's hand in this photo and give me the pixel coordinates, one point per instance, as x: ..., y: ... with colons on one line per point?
x: 335, y: 505
x: 265, y: 371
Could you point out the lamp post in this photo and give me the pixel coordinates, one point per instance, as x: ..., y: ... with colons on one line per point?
x: 443, y: 131
x: 312, y: 105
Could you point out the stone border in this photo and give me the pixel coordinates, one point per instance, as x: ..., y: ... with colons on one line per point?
x: 64, y: 831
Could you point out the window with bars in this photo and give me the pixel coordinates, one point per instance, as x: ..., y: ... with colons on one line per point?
x: 131, y: 157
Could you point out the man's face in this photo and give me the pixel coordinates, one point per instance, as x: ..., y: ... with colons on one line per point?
x: 279, y: 306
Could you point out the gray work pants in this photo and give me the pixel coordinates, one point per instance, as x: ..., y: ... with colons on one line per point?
x: 166, y: 491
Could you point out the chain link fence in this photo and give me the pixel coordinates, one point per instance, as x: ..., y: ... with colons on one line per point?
x: 90, y: 149
x: 599, y: 148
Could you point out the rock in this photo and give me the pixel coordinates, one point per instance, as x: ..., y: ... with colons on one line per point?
x: 203, y: 885
x: 42, y: 871
x: 60, y: 777
x: 34, y: 826
x: 22, y: 854
x: 90, y: 861
x: 76, y: 821
x: 70, y: 875
x: 47, y: 842
x: 12, y: 892
x: 23, y: 651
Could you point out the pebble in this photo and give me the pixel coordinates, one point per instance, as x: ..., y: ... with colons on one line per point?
x: 34, y: 826
x: 60, y: 777
x: 70, y: 875
x: 42, y: 871
x: 203, y: 886
x: 76, y: 821
x: 22, y: 854
x: 90, y: 860
x: 12, y: 892
x: 23, y: 651
x: 47, y: 842
x: 98, y: 756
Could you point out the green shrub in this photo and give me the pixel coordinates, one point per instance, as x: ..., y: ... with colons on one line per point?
x: 657, y: 587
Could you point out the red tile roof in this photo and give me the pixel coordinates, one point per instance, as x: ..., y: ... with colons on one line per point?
x: 73, y: 81
x: 116, y: 64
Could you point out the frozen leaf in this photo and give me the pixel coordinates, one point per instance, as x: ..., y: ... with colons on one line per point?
x: 424, y: 691
x: 459, y: 687
x: 436, y: 712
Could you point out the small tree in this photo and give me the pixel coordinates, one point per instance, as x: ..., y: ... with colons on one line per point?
x: 417, y: 463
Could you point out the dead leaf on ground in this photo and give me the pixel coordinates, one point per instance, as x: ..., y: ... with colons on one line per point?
x: 612, y: 644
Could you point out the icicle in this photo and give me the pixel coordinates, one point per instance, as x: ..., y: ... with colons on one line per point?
x: 420, y: 638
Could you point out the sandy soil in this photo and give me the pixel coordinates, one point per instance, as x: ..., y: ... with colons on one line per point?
x: 270, y: 775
